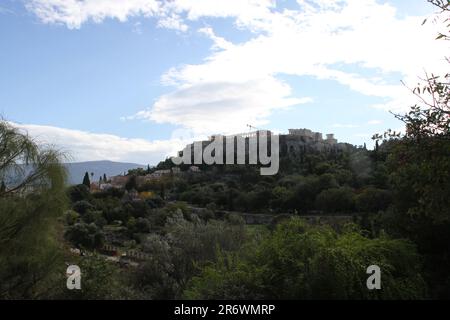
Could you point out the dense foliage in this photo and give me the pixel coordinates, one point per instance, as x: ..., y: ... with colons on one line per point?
x: 30, y: 202
x: 298, y: 261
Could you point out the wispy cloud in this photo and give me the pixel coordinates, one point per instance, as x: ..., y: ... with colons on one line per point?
x: 4, y: 10
x: 82, y: 145
x: 74, y: 13
x: 137, y: 27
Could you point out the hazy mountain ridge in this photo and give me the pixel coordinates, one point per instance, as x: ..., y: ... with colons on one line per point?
x: 76, y: 170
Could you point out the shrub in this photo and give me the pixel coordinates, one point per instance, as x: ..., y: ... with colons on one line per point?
x: 78, y: 192
x: 82, y: 206
x: 299, y: 261
x: 84, y: 235
x: 373, y: 200
x: 336, y: 200
x: 71, y: 217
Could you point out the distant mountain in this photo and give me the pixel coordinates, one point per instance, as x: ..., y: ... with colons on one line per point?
x: 77, y: 170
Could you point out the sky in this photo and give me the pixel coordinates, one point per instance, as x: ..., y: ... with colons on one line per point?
x: 135, y: 80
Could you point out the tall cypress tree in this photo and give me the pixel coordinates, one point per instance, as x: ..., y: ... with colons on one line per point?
x: 2, y: 187
x: 86, y: 180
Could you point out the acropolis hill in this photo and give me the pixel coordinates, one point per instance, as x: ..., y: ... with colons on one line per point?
x: 298, y: 141
x: 295, y: 142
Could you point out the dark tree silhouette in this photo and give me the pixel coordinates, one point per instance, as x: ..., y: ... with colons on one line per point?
x: 86, y: 180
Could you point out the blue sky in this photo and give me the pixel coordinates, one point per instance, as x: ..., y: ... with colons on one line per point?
x: 134, y: 80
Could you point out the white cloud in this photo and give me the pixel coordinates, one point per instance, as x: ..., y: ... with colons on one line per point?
x: 222, y: 107
x: 73, y: 13
x: 311, y: 42
x: 374, y: 122
x: 83, y: 146
x: 238, y: 83
x: 218, y: 42
x: 174, y: 22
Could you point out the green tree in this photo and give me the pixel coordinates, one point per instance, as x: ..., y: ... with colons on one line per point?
x: 29, y: 250
x: 336, y: 200
x: 86, y: 180
x: 419, y: 175
x: 419, y: 167
x: 101, y: 280
x: 373, y: 200
x: 299, y: 261
x: 84, y: 235
x: 78, y: 192
x: 82, y: 206
x: 2, y: 187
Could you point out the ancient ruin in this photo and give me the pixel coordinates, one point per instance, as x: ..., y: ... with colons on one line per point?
x: 295, y: 142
